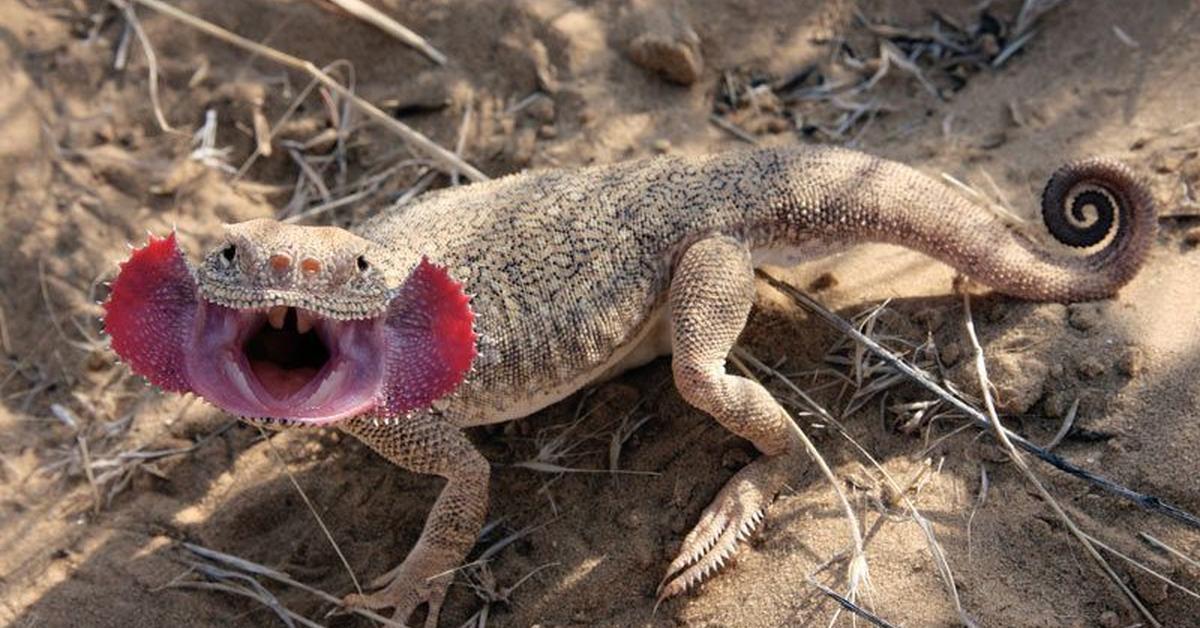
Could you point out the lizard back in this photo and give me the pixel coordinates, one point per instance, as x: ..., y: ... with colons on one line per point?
x: 568, y: 268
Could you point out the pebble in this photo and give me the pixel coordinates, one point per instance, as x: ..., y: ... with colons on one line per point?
x: 669, y: 48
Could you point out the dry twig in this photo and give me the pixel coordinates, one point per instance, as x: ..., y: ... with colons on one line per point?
x: 446, y: 159
x: 1019, y: 460
x: 370, y: 14
x: 1147, y: 502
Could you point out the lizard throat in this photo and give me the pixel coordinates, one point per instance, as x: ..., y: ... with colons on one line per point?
x: 286, y: 363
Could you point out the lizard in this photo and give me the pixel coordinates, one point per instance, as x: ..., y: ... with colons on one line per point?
x: 487, y: 302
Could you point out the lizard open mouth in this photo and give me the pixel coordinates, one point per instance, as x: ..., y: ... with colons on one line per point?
x: 286, y: 353
x: 288, y: 349
x: 286, y: 362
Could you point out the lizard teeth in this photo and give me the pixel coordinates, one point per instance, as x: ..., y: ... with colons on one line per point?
x: 276, y: 316
x: 304, y: 320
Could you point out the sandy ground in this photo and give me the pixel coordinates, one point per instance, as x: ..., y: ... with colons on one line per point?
x: 90, y: 534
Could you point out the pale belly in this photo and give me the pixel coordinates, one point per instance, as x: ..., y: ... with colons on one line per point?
x: 653, y: 341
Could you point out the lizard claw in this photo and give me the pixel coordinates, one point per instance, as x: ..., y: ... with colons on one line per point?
x: 423, y: 577
x: 733, y: 516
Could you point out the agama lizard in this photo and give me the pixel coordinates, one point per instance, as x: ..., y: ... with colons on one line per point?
x: 488, y: 302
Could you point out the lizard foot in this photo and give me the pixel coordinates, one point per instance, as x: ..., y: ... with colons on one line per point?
x: 731, y: 517
x: 423, y: 577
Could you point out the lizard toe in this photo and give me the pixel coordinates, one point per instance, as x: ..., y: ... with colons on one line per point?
x: 733, y: 516
x: 421, y: 579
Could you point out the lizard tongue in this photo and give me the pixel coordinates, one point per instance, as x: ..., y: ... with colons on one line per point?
x: 430, y: 339
x: 150, y: 310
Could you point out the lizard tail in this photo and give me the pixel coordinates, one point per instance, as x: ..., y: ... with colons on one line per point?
x: 1087, y: 203
x: 1113, y: 193
x: 1090, y: 203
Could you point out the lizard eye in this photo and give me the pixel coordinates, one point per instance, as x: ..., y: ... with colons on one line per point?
x: 363, y: 265
x: 229, y: 252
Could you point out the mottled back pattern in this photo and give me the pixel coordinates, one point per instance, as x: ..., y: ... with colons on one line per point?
x: 567, y: 267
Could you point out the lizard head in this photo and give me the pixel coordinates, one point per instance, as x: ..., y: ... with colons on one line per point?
x: 293, y: 324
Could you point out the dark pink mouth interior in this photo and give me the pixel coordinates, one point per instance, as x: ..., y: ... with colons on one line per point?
x: 285, y: 360
x: 248, y: 365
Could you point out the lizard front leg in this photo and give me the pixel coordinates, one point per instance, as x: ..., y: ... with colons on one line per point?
x: 424, y: 443
x: 712, y: 291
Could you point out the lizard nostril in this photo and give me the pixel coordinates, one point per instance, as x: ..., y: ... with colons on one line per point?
x: 280, y: 262
x: 310, y: 266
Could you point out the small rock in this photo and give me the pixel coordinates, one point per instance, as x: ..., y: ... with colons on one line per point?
x: 1166, y: 163
x: 1091, y: 367
x: 428, y: 91
x: 776, y: 124
x: 1109, y: 619
x: 670, y: 48
x: 1084, y: 316
x: 661, y: 145
x: 548, y: 131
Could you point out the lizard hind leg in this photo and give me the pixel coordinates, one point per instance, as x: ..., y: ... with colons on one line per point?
x: 712, y: 291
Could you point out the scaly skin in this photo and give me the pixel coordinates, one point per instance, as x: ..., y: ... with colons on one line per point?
x: 573, y: 275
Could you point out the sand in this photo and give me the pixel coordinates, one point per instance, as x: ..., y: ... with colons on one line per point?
x: 85, y: 168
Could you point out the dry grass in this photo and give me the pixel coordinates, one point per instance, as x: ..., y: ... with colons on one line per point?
x: 894, y: 491
x: 1008, y: 440
x: 231, y: 574
x: 858, y: 574
x: 445, y: 159
x: 838, y: 98
x: 377, y: 18
x: 1019, y: 461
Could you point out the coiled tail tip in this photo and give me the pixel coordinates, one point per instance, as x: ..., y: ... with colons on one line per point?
x: 1101, y: 200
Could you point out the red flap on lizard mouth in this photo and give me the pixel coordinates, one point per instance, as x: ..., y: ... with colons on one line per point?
x: 150, y: 310
x: 430, y: 339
